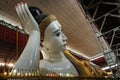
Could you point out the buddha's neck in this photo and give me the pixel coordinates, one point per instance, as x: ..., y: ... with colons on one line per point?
x: 56, y: 57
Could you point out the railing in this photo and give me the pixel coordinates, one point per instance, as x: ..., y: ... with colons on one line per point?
x: 54, y: 78
x: 51, y: 77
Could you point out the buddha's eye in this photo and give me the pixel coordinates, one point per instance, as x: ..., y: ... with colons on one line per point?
x: 58, y: 34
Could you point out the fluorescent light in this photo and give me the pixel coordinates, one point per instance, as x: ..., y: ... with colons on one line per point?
x: 107, y: 67
x: 96, y: 57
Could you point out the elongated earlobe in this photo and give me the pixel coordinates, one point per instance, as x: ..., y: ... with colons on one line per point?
x: 41, y: 44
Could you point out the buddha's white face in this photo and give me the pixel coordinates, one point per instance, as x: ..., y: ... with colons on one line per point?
x: 54, y: 40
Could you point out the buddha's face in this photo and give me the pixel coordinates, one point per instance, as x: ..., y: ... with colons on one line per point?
x: 54, y: 39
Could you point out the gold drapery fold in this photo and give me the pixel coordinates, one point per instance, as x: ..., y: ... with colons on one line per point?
x: 84, y: 68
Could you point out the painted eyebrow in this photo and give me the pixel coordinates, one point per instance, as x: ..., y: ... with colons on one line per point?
x: 57, y: 30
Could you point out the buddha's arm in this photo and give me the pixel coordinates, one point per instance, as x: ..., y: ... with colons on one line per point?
x: 29, y: 59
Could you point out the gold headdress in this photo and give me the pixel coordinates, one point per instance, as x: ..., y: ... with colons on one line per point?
x: 44, y: 23
x: 42, y: 19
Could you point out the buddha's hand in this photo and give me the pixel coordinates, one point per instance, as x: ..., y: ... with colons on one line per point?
x: 27, y: 21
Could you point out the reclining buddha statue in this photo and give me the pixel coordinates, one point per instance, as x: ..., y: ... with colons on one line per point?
x: 45, y: 35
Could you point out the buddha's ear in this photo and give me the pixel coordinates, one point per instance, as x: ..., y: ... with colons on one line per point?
x: 41, y: 40
x: 41, y: 44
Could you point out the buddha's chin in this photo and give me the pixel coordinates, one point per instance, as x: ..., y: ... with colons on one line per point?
x: 64, y: 47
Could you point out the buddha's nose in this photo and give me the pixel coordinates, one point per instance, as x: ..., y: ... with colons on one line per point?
x: 64, y: 37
